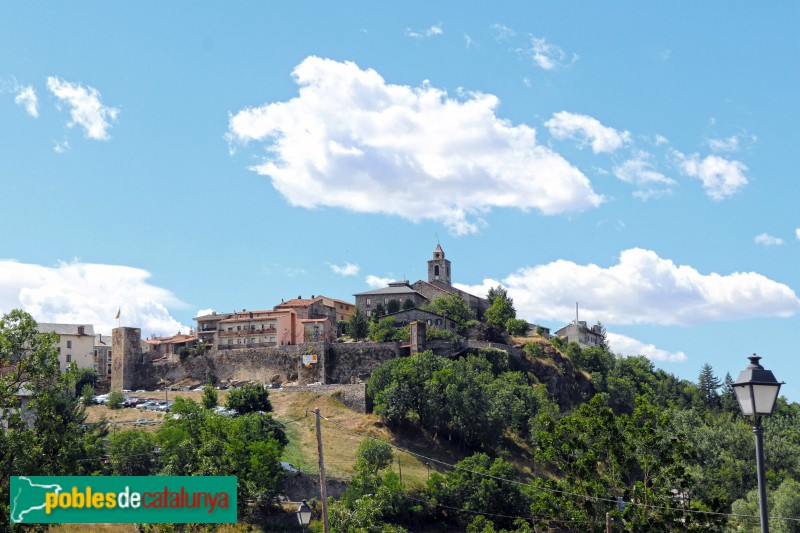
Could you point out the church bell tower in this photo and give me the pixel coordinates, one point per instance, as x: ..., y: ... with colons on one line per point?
x: 439, y: 267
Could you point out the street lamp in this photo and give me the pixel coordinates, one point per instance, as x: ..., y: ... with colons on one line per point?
x: 757, y: 390
x: 304, y: 514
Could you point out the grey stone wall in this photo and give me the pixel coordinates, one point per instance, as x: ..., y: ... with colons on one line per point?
x: 349, y: 362
x: 126, y: 350
x: 353, y: 396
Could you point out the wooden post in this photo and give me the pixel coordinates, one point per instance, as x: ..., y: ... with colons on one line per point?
x: 608, y: 522
x: 323, y: 488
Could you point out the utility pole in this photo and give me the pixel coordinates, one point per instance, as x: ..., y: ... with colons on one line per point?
x: 400, y: 467
x: 608, y: 522
x: 323, y: 485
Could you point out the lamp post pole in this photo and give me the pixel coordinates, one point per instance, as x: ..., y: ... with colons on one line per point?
x: 757, y: 390
x: 758, y: 430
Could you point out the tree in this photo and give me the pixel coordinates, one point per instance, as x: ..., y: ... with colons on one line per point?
x: 500, y: 312
x: 82, y: 377
x: 517, y: 327
x: 202, y: 443
x: 408, y: 303
x: 393, y: 306
x: 707, y: 385
x: 384, y: 330
x: 209, y: 399
x: 43, y: 428
x: 452, y: 306
x: 358, y: 325
x: 476, y: 485
x: 498, y: 292
x: 132, y: 453
x: 249, y: 399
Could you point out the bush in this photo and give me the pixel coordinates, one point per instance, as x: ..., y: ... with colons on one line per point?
x: 87, y: 394
x: 249, y: 399
x: 534, y: 349
x: 115, y: 400
x: 516, y: 326
x: 436, y: 334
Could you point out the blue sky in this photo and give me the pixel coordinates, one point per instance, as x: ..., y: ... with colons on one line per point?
x: 635, y: 157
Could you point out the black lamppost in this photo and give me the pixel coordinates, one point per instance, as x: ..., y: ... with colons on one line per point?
x: 757, y: 390
x: 304, y: 514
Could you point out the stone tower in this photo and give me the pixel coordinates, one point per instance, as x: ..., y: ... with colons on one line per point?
x: 439, y: 267
x: 126, y: 351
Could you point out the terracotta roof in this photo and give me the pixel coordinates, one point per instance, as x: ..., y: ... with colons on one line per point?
x: 256, y: 315
x: 298, y: 302
x: 175, y: 339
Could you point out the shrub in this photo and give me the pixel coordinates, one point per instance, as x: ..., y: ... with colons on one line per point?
x: 249, y: 399
x: 115, y: 400
x: 516, y: 326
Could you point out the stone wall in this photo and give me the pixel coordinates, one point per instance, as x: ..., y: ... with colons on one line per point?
x: 353, y: 396
x: 352, y: 362
x: 126, y: 350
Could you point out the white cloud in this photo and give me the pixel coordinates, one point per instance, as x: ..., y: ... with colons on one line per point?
x: 348, y: 269
x: 86, y: 110
x: 546, y: 55
x: 628, y: 346
x: 351, y: 140
x: 643, y: 288
x: 433, y: 31
x: 88, y: 293
x: 768, y: 240
x: 377, y: 282
x: 502, y: 32
x: 61, y: 147
x: 468, y: 41
x: 586, y: 130
x: 204, y: 312
x: 797, y: 233
x: 721, y: 177
x: 639, y: 171
x: 26, y: 97
x: 731, y: 144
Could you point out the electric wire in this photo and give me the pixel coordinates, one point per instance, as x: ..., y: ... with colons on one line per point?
x: 547, y: 489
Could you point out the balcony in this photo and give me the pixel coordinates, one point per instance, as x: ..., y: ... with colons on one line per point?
x: 246, y: 346
x: 248, y: 332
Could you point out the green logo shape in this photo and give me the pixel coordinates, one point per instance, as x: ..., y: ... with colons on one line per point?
x: 123, y: 499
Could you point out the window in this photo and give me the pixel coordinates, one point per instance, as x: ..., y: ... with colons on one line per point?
x: 438, y: 321
x: 429, y: 322
x: 69, y: 344
x: 69, y: 358
x: 368, y: 303
x: 386, y: 301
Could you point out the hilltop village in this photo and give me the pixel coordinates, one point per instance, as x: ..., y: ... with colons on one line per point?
x: 303, y: 340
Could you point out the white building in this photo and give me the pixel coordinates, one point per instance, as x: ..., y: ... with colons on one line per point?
x: 75, y: 344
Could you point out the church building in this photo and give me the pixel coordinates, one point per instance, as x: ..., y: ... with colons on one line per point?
x: 439, y: 284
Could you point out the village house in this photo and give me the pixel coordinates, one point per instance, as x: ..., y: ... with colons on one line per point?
x: 75, y: 343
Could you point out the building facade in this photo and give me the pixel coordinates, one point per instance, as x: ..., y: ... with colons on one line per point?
x: 75, y: 343
x: 250, y: 329
x: 579, y: 332
x: 102, y: 356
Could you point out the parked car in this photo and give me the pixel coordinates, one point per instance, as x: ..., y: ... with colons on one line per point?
x: 142, y: 420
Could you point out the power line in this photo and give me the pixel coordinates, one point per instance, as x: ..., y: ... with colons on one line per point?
x: 547, y: 489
